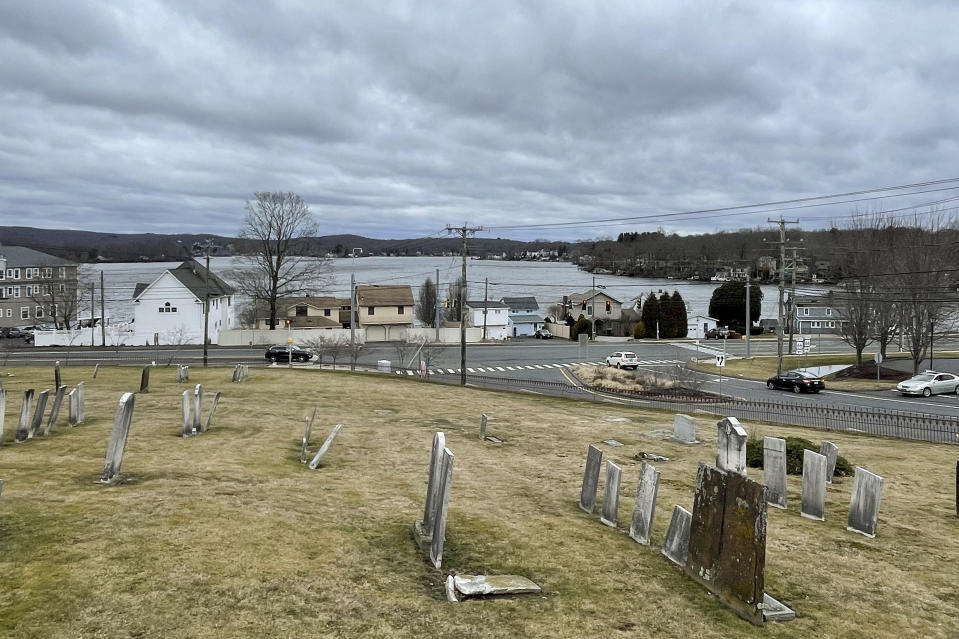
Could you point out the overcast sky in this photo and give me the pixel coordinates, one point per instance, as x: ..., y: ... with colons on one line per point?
x: 393, y: 119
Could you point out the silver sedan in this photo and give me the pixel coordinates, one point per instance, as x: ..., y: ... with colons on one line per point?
x: 929, y: 383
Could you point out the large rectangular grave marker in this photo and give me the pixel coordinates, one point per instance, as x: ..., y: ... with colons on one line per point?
x: 813, y: 486
x: 774, y: 471
x: 831, y: 452
x: 676, y: 544
x: 442, y: 509
x: 423, y: 530
x: 731, y: 446
x: 645, y: 505
x: 684, y: 429
x: 118, y: 438
x: 38, y: 412
x: 587, y: 497
x: 26, y: 412
x: 864, y: 502
x: 55, y: 410
x: 325, y: 447
x: 614, y: 476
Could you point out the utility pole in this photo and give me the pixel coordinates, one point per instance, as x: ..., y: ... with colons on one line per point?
x: 93, y: 305
x: 353, y: 307
x: 592, y: 325
x: 791, y: 308
x: 103, y: 316
x: 464, y: 232
x: 782, y: 288
x: 206, y: 246
x: 749, y: 322
x: 485, y: 307
x: 436, y: 303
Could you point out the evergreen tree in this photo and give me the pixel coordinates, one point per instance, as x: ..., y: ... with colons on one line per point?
x: 681, y: 317
x: 651, y: 314
x: 728, y: 304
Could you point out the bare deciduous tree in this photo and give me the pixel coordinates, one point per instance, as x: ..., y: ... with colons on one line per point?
x: 59, y: 295
x: 426, y: 305
x: 276, y: 228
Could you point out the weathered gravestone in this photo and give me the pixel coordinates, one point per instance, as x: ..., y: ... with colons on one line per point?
x: 38, y: 413
x: 26, y: 410
x: 145, y: 380
x: 731, y: 446
x: 182, y: 373
x: 423, y: 530
x: 73, y: 405
x: 96, y: 369
x: 305, y: 443
x: 442, y: 509
x: 864, y: 502
x: 118, y: 438
x: 676, y: 544
x: 774, y: 471
x: 241, y: 372
x: 645, y: 506
x: 209, y: 417
x: 482, y: 433
x: 55, y: 411
x: 587, y: 497
x: 831, y: 452
x: 727, y: 540
x: 325, y: 447
x: 81, y: 403
x: 813, y: 486
x: 197, y: 407
x: 684, y: 429
x: 56, y: 375
x: 3, y: 411
x: 614, y: 476
x: 187, y: 425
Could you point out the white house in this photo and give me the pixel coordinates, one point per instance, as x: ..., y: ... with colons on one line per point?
x: 169, y: 310
x: 697, y: 325
x: 494, y: 316
x: 524, y: 316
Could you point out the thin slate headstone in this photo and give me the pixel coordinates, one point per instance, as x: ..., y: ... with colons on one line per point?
x: 831, y: 452
x: 774, y: 471
x: 38, y: 412
x: 57, y: 383
x: 813, y: 486
x: 482, y: 433
x: 305, y: 443
x: 96, y: 369
x: 325, y: 447
x: 645, y: 505
x: 3, y: 411
x: 676, y: 544
x: 145, y: 380
x: 587, y: 497
x: 186, y: 402
x: 118, y: 439
x: 684, y: 429
x: 209, y: 417
x: 81, y: 403
x: 26, y: 411
x: 614, y: 476
x: 197, y: 407
x: 731, y: 446
x: 73, y: 407
x: 443, y: 504
x: 864, y: 502
x: 55, y: 411
x: 433, y: 485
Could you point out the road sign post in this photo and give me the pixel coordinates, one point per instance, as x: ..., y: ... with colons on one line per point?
x: 878, y: 359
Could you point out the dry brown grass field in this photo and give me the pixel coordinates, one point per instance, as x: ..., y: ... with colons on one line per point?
x: 227, y: 534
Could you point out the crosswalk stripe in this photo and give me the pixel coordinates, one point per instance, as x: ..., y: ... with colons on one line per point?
x: 510, y: 368
x: 451, y: 370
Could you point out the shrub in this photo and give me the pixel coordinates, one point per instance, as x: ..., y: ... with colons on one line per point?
x: 582, y: 325
x: 639, y: 331
x: 794, y: 455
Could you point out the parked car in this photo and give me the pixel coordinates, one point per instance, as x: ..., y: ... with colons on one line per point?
x: 717, y: 333
x: 282, y: 353
x: 929, y: 383
x: 797, y: 382
x: 623, y: 359
x: 15, y: 333
x: 542, y: 333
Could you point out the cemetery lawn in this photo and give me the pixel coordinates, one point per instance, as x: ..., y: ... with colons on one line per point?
x: 227, y: 534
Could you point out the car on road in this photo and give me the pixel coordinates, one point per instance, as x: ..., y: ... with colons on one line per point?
x: 542, y: 333
x: 929, y: 383
x: 717, y: 333
x: 797, y: 382
x: 16, y: 333
x: 283, y: 353
x: 623, y: 359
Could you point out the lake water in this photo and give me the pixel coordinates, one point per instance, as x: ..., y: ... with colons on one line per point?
x: 546, y: 281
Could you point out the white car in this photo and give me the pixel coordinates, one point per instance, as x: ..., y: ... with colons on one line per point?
x: 929, y: 383
x: 623, y: 359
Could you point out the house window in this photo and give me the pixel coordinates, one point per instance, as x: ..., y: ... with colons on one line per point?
x: 369, y: 310
x: 301, y: 311
x: 48, y: 273
x: 9, y: 312
x: 589, y: 310
x: 39, y: 311
x: 805, y: 310
x: 831, y: 324
x: 828, y: 311
x: 816, y: 325
x: 24, y: 312
x: 63, y: 288
x: 16, y: 291
x: 326, y: 312
x: 167, y: 308
x: 399, y: 310
x: 63, y: 272
x: 3, y: 274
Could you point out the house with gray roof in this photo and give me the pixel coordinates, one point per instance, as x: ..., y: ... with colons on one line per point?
x: 492, y: 317
x: 816, y: 315
x: 524, y: 316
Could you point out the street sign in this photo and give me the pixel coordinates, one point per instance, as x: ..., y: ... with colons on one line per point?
x: 877, y: 358
x: 807, y: 342
x: 799, y: 348
x: 721, y: 360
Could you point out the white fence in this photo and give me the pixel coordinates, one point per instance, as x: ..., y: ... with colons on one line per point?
x: 260, y: 337
x: 116, y: 335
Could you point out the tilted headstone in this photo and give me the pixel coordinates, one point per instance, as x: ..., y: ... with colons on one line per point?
x: 727, y: 540
x: 38, y: 412
x: 96, y: 369
x: 774, y: 471
x: 236, y: 373
x: 81, y: 403
x: 209, y: 417
x: 864, y: 502
x: 241, y: 373
x: 645, y: 506
x: 187, y: 425
x: 587, y: 497
x: 442, y: 509
x: 731, y: 446
x: 182, y: 373
x: 813, y: 486
x: 56, y: 375
x: 3, y: 411
x: 831, y: 452
x: 684, y: 429
x: 325, y: 447
x: 118, y: 438
x: 676, y: 544
x: 482, y: 434
x: 74, y: 406
x: 305, y: 444
x: 145, y: 380
x: 26, y: 410
x: 614, y: 476
x: 55, y: 411
x: 197, y: 407
x: 424, y: 528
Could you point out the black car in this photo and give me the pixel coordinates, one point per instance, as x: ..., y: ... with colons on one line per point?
x: 282, y: 353
x: 543, y: 334
x: 717, y: 333
x: 797, y: 382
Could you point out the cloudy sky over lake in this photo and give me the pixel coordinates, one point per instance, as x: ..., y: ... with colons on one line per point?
x: 393, y: 119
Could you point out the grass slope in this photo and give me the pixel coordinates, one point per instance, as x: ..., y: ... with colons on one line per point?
x: 228, y: 535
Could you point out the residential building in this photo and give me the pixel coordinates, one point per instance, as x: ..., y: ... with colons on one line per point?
x: 384, y: 311
x: 169, y: 310
x: 36, y: 288
x: 309, y: 312
x: 524, y: 316
x: 598, y: 307
x: 492, y: 317
x: 697, y: 325
x: 815, y: 315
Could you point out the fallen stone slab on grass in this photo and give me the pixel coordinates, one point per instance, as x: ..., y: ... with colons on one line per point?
x: 473, y: 585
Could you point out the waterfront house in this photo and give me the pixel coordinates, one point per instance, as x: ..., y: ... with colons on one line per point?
x: 524, y: 316
x: 492, y: 317
x: 386, y: 312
